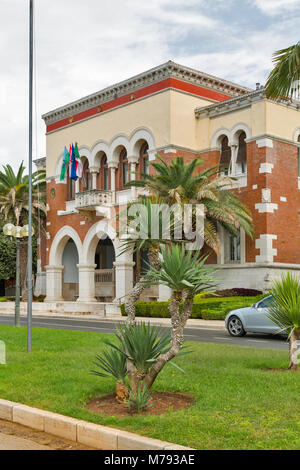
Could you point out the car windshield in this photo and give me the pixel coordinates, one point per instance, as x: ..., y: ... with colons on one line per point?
x: 265, y: 303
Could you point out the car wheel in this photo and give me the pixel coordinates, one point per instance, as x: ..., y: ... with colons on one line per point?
x: 235, y: 327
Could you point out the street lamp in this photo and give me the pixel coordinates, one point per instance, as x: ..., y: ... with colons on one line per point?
x: 17, y: 232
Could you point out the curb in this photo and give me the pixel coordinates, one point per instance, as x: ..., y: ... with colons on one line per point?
x: 83, y: 432
x: 204, y: 325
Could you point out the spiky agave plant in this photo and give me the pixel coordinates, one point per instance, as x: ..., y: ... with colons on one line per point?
x: 139, y: 400
x: 284, y: 311
x: 140, y: 344
x: 111, y: 363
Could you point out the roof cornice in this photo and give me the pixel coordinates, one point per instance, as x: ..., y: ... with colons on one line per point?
x: 157, y: 74
x: 240, y: 102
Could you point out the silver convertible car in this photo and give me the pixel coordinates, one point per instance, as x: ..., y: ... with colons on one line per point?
x: 251, y: 319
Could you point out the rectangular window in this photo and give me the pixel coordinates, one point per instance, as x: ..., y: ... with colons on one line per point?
x: 88, y: 180
x: 235, y: 248
x: 105, y: 177
x: 125, y: 173
x: 72, y: 189
x: 146, y: 166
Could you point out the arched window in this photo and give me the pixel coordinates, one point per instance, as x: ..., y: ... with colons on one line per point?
x: 241, y: 161
x: 124, y: 173
x: 225, y: 159
x: 144, y: 159
x: 86, y: 177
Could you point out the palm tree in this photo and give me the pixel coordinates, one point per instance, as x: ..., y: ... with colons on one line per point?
x: 285, y: 312
x: 14, y: 190
x: 146, y: 210
x: 180, y: 183
x: 283, y: 81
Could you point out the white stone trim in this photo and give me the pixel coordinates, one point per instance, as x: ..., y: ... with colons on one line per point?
x: 115, y: 147
x: 296, y: 135
x: 59, y: 242
x: 264, y: 143
x: 266, y: 168
x: 137, y: 137
x: 97, y: 148
x: 264, y: 207
x: 265, y: 245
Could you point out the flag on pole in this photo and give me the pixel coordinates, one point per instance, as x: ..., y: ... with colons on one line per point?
x: 79, y: 169
x: 66, y: 160
x: 73, y: 174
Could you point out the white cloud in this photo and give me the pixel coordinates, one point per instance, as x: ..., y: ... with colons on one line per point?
x: 82, y: 47
x: 274, y: 7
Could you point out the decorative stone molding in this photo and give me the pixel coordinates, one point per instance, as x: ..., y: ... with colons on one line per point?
x: 40, y: 163
x: 266, y: 168
x: 157, y: 74
x: 264, y: 143
x: 265, y: 245
x: 241, y: 101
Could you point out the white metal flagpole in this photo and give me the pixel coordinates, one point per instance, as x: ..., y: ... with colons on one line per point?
x: 29, y: 257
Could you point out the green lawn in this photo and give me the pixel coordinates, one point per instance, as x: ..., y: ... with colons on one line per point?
x: 237, y: 404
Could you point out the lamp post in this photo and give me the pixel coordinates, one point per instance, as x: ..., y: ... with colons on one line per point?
x: 18, y: 233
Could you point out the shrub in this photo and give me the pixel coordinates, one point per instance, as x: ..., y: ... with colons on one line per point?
x: 214, y: 308
x: 140, y: 400
x: 235, y: 291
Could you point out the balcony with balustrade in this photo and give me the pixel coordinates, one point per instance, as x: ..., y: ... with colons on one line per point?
x: 94, y: 202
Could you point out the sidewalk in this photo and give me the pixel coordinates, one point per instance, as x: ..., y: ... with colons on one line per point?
x: 18, y: 443
x: 192, y: 323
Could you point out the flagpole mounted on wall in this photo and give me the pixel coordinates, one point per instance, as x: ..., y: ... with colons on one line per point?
x: 29, y: 257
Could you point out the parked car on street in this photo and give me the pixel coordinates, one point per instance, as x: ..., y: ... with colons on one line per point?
x: 251, y: 319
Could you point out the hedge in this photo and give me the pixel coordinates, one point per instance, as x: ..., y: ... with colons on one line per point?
x: 208, y: 309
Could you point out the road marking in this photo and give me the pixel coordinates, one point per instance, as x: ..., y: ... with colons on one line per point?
x: 257, y: 340
x: 221, y: 337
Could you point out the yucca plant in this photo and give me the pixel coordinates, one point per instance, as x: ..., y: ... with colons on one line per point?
x: 139, y: 400
x: 185, y: 273
x: 140, y: 344
x: 285, y: 311
x: 111, y: 363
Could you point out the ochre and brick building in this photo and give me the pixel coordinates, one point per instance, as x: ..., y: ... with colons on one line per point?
x: 172, y: 111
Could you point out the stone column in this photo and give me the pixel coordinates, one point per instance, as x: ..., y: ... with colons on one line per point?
x: 133, y: 178
x: 54, y: 283
x: 94, y: 170
x: 77, y: 186
x: 124, y: 275
x: 133, y: 160
x: 234, y: 148
x: 113, y: 166
x: 86, y: 285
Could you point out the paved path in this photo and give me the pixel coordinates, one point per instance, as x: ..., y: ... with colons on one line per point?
x: 18, y: 443
x: 201, y: 334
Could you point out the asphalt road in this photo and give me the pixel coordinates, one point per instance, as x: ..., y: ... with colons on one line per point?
x: 191, y: 334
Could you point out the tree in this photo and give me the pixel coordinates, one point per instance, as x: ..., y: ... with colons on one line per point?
x: 14, y: 190
x: 284, y: 311
x: 7, y: 257
x: 283, y: 81
x: 180, y: 183
x: 142, y: 350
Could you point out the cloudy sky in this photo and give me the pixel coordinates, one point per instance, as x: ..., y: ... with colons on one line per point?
x: 83, y: 46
